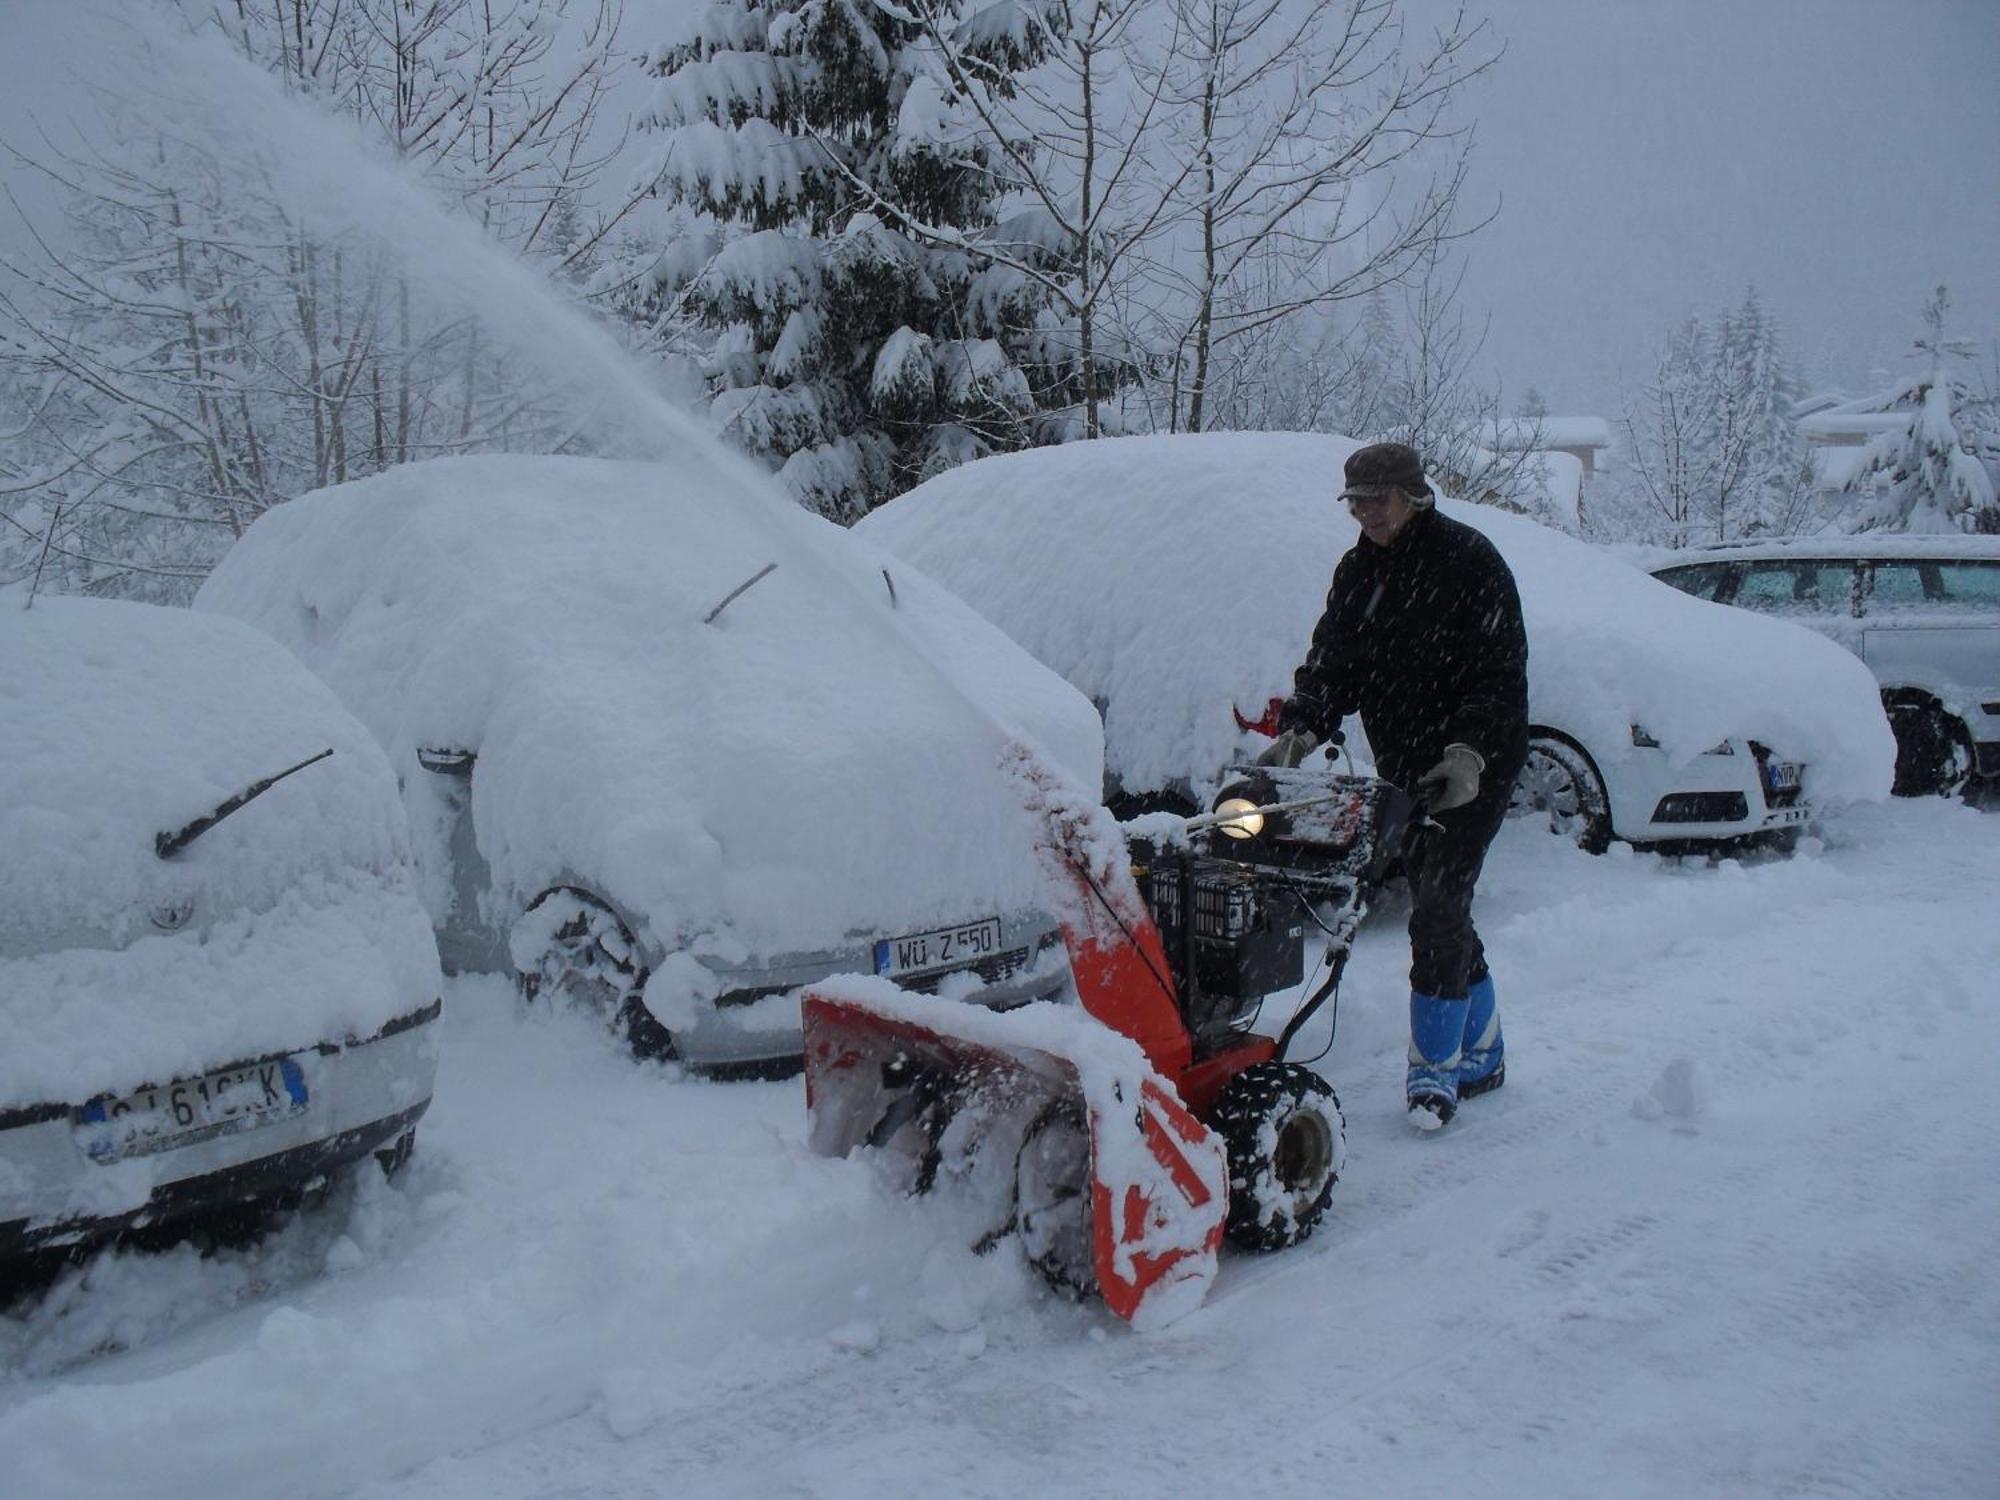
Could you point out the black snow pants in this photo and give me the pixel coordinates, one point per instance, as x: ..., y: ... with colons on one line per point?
x: 1443, y: 865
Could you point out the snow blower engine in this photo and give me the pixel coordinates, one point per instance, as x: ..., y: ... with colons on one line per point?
x: 1120, y: 1138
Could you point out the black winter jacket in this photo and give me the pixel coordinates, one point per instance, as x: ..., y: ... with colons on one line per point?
x: 1423, y: 638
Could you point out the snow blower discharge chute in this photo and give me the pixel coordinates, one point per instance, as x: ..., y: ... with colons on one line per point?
x: 1119, y: 1140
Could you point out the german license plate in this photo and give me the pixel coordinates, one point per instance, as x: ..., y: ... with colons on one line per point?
x: 941, y: 948
x: 191, y: 1109
x: 1784, y: 775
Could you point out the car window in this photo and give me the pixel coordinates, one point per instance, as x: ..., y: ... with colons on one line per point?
x: 1931, y: 585
x: 1797, y: 587
x: 1972, y: 585
x: 1699, y: 579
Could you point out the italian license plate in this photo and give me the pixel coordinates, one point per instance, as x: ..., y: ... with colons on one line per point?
x: 191, y: 1109
x: 941, y: 948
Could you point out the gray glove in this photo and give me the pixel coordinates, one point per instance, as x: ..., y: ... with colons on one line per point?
x: 1288, y: 749
x: 1454, y: 780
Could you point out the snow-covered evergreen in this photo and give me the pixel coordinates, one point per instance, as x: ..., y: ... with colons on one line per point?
x: 1934, y: 470
x: 1757, y: 487
x: 1713, y: 450
x: 852, y: 357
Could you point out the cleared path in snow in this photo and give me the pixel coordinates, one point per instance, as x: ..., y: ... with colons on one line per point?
x: 1726, y: 1231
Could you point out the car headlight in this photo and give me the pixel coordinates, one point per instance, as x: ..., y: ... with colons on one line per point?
x: 1241, y: 820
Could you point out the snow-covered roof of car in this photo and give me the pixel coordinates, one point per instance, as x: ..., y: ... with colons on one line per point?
x: 1929, y: 544
x: 1170, y: 577
x: 807, y: 763
x: 119, y: 722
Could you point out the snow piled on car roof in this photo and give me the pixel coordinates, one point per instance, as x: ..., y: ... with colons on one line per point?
x: 1171, y: 577
x: 294, y: 918
x: 807, y: 764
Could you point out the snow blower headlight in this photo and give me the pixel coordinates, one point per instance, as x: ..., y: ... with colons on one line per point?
x: 1241, y: 819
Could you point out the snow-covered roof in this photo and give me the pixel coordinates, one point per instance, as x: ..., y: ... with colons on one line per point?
x: 1948, y: 546
x: 1171, y: 577
x: 1886, y: 410
x: 1835, y: 422
x: 1817, y: 402
x: 815, y: 761
x: 1510, y: 434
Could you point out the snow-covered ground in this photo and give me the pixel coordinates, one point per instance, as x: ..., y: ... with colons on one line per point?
x: 1726, y: 1232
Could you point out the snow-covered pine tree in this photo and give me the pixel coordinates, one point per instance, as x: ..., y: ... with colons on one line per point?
x: 1930, y: 472
x: 849, y: 356
x: 1755, y: 456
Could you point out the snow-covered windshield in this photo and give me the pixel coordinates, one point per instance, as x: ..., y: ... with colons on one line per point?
x: 123, y: 722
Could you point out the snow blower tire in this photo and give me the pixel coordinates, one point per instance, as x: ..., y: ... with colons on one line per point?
x: 1282, y: 1128
x: 1052, y: 1201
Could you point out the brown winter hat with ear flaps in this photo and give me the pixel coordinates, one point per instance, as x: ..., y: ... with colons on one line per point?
x: 1381, y: 467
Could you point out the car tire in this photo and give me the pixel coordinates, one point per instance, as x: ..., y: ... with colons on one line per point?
x: 590, y: 959
x: 1558, y: 782
x: 1933, y: 750
x: 1286, y: 1140
x: 393, y: 1157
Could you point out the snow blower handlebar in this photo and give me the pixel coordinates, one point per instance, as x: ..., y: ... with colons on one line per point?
x: 1218, y: 817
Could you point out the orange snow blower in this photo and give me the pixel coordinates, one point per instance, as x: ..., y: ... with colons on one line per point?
x: 1118, y: 1139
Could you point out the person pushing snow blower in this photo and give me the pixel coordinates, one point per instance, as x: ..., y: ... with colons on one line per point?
x: 1422, y: 636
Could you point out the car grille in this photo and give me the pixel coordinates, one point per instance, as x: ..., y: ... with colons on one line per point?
x: 1001, y: 966
x: 1702, y: 807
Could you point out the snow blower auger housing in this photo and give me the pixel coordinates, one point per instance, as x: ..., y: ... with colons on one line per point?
x: 1117, y: 1140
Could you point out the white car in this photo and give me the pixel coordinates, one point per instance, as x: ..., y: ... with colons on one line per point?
x: 1923, y: 611
x: 670, y: 744
x: 1174, y: 579
x: 216, y: 980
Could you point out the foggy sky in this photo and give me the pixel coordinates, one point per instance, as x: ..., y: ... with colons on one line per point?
x: 1652, y: 157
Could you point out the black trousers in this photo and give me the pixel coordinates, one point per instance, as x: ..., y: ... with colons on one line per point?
x: 1443, y: 865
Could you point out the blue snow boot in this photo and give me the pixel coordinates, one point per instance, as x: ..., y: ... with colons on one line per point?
x: 1483, y: 1067
x: 1437, y: 1035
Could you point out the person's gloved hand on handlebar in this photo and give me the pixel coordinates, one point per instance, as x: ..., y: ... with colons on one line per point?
x: 1454, y: 780
x: 1288, y: 749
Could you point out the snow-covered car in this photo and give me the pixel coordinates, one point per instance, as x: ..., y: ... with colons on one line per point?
x: 216, y: 980
x: 673, y: 746
x: 1923, y: 611
x: 1175, y: 579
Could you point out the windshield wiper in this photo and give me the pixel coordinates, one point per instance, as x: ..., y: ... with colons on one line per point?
x: 167, y: 845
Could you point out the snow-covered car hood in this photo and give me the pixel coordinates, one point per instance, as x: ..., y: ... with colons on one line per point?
x: 817, y: 759
x: 1169, y: 577
x: 298, y: 919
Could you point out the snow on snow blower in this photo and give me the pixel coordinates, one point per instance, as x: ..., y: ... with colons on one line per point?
x: 1118, y: 1140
